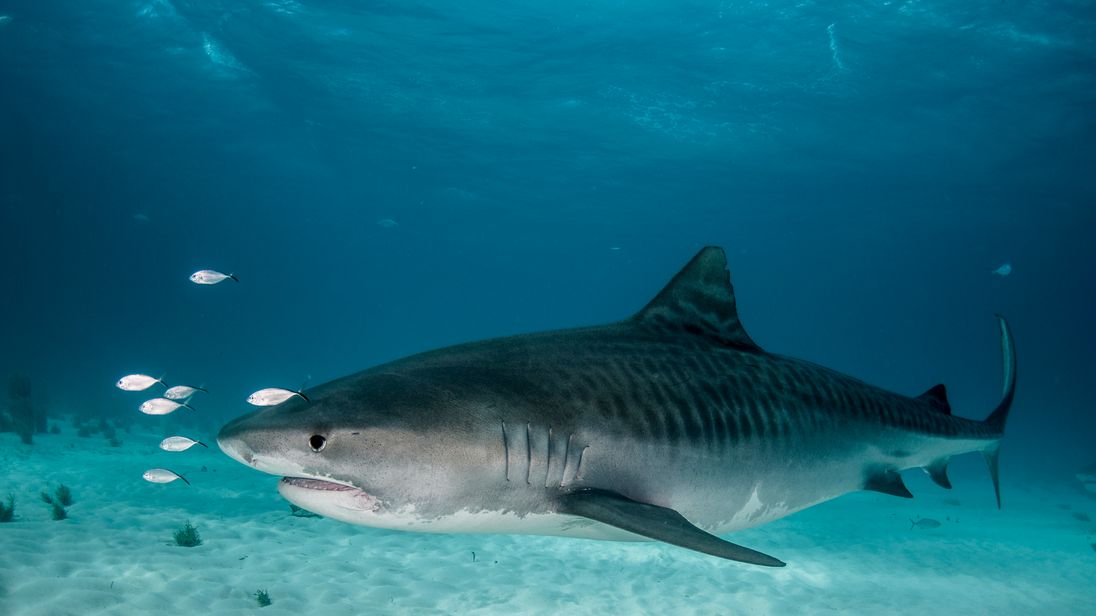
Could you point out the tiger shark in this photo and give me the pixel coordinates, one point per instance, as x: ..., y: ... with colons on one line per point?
x: 671, y: 425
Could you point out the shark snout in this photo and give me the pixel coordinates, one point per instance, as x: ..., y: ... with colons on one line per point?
x: 231, y: 441
x: 252, y: 440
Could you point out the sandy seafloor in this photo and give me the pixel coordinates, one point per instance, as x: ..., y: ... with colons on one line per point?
x: 857, y: 554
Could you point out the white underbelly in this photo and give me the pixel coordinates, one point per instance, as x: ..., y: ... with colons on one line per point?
x: 364, y: 510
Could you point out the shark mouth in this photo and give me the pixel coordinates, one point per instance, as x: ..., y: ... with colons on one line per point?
x: 317, y: 484
x: 337, y: 500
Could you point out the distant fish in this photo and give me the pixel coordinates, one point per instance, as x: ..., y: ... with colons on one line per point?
x: 387, y: 223
x: 4, y: 19
x: 182, y: 392
x: 162, y: 475
x: 1081, y: 516
x: 1003, y: 270
x: 210, y: 277
x: 179, y: 443
x: 924, y: 523
x: 162, y: 406
x: 141, y: 217
x: 137, y: 382
x: 273, y: 395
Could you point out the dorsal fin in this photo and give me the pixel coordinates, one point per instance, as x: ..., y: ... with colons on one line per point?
x: 937, y: 398
x: 700, y: 300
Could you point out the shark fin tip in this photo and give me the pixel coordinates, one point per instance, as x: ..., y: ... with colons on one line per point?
x: 699, y: 301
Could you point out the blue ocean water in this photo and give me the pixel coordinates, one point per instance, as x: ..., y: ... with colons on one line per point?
x: 388, y: 177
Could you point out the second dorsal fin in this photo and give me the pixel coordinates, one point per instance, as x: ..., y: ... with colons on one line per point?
x: 699, y: 300
x: 937, y: 398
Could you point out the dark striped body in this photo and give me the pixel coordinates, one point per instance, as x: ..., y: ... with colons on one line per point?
x: 727, y: 437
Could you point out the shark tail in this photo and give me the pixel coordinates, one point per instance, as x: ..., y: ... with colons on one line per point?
x: 997, y: 419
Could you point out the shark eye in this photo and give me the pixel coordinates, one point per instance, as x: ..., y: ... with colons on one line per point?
x: 317, y: 442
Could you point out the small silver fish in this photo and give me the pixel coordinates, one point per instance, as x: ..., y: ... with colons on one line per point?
x: 273, y: 395
x: 387, y: 223
x: 924, y: 523
x: 161, y: 406
x: 182, y: 392
x: 210, y: 277
x: 162, y: 475
x: 179, y: 443
x: 1003, y: 270
x: 137, y: 382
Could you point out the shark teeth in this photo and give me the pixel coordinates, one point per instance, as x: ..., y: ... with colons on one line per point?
x: 317, y: 484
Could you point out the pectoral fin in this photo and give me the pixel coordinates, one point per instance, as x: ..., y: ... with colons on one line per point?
x: 658, y: 523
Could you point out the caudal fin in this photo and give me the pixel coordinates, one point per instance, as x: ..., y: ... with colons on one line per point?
x: 997, y: 419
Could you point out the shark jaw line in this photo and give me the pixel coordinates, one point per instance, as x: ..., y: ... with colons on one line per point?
x: 337, y: 500
x: 307, y: 483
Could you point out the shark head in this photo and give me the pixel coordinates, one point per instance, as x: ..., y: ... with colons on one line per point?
x: 357, y: 450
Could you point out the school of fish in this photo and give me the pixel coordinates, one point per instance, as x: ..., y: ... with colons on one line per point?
x: 176, y: 397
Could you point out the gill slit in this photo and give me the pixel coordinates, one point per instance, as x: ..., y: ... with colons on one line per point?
x: 528, y: 454
x: 548, y: 459
x: 578, y: 468
x: 566, y: 457
x: 506, y: 452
